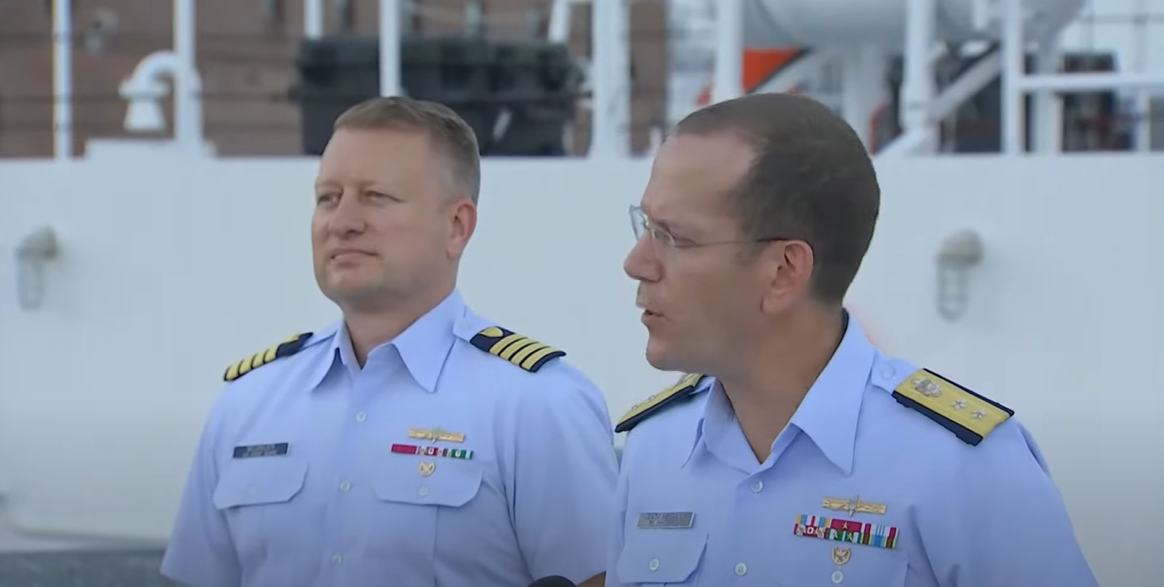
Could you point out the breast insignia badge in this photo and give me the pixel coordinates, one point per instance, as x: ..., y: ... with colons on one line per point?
x: 431, y: 437
x: 854, y: 506
x: 841, y: 557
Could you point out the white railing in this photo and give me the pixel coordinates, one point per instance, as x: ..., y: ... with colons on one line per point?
x: 1016, y: 82
x: 922, y: 111
x: 610, y: 75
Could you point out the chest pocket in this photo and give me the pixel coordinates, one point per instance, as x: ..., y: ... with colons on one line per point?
x: 449, y: 483
x: 661, y: 557
x: 258, y: 481
x: 258, y: 497
x: 423, y: 504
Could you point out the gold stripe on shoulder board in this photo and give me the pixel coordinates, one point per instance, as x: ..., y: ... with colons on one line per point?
x: 522, y: 351
x: 288, y: 347
x: 641, y: 411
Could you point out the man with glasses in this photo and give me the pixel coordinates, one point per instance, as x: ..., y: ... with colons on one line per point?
x: 795, y: 453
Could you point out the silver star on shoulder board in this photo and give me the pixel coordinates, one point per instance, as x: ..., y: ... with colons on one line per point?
x: 959, y: 404
x: 927, y: 388
x: 979, y: 414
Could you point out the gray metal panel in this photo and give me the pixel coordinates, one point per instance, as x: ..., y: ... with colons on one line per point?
x: 83, y: 569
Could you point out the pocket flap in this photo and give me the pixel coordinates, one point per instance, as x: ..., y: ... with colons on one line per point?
x: 660, y: 556
x: 259, y: 481
x: 450, y: 483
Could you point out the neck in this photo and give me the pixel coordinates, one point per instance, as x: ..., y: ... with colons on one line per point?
x: 770, y: 380
x: 369, y: 329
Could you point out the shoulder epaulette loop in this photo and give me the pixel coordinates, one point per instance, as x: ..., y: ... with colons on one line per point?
x: 284, y: 349
x: 971, y: 417
x: 522, y: 351
x: 686, y: 387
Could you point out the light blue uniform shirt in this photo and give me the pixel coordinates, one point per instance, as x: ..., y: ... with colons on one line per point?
x: 697, y: 508
x: 307, y: 473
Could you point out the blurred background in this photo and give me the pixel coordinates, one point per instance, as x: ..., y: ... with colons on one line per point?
x: 269, y: 89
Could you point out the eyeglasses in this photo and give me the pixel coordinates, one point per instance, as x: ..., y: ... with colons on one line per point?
x: 643, y: 226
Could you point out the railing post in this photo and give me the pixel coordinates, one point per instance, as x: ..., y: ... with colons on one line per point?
x: 63, y: 79
x: 389, y: 47
x: 729, y: 51
x: 1013, y: 71
x: 918, y: 86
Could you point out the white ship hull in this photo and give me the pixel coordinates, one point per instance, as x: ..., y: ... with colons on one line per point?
x: 171, y: 269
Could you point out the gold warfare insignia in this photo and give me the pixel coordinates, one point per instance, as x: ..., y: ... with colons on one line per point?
x: 435, y: 435
x: 854, y: 506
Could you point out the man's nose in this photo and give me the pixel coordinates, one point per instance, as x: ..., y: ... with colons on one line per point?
x: 642, y: 263
x: 347, y: 216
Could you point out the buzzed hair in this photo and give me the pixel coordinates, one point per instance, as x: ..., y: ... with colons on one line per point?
x: 449, y: 133
x: 811, y: 179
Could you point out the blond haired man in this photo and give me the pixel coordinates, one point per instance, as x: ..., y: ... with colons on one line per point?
x: 413, y: 442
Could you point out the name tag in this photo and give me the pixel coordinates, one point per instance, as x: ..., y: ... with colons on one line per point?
x: 666, y: 520
x: 260, y: 450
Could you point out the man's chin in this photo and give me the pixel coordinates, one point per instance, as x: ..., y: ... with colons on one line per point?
x: 357, y: 295
x: 657, y: 355
x: 667, y: 357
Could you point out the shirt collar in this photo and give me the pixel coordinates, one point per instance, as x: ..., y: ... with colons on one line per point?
x: 423, y: 347
x: 829, y: 412
x: 426, y: 344
x: 320, y: 368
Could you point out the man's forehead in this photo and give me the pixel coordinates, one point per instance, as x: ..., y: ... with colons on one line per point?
x: 721, y: 154
x: 375, y: 155
x: 693, y: 174
x: 334, y: 180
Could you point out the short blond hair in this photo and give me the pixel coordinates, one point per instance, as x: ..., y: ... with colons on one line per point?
x: 448, y: 132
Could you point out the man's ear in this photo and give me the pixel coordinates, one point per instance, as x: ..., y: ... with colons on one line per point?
x: 463, y: 222
x: 789, y: 266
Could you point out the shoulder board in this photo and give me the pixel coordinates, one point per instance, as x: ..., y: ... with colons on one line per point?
x: 968, y: 415
x: 284, y: 349
x: 686, y: 387
x: 522, y: 351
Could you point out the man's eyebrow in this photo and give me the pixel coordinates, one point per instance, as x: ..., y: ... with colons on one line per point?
x: 674, y: 227
x: 657, y: 221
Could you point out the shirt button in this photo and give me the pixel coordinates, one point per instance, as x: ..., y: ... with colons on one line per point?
x: 758, y: 486
x: 345, y: 486
x: 654, y: 564
x: 741, y: 569
x: 360, y: 417
x: 423, y: 491
x: 337, y: 558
